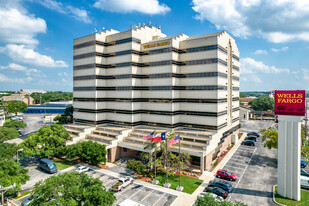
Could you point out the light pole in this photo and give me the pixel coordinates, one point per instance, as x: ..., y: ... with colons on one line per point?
x: 19, y: 150
x: 3, y: 190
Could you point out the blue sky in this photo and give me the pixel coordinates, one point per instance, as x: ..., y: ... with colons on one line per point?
x: 36, y: 36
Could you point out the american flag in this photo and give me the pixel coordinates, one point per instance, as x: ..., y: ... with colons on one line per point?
x: 149, y: 136
x: 174, y: 140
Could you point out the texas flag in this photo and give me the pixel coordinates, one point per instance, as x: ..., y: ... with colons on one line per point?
x: 149, y: 136
x: 174, y: 140
x: 159, y: 137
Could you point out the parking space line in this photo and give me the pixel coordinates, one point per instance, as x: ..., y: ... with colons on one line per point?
x: 159, y: 199
x: 137, y: 192
x: 146, y: 196
x: 243, y: 173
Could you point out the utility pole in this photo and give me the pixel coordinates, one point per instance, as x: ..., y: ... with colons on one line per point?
x: 3, y: 190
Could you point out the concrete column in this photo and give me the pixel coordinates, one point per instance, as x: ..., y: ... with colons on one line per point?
x: 289, y: 143
x: 202, y: 164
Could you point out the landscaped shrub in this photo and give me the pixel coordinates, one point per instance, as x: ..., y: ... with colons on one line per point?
x: 137, y: 166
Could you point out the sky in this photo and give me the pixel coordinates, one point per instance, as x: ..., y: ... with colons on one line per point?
x: 36, y: 36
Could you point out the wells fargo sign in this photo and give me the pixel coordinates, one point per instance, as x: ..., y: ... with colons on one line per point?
x: 290, y: 102
x: 164, y: 43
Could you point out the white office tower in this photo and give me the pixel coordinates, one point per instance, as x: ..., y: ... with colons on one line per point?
x: 141, y: 78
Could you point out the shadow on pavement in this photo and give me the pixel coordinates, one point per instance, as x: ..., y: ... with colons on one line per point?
x: 252, y: 192
x: 263, y: 161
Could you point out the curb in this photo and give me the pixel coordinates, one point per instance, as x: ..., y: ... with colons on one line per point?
x: 274, y: 197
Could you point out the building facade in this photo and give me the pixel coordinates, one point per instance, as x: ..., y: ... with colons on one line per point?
x: 141, y: 77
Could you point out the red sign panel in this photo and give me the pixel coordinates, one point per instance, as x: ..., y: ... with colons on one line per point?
x: 290, y: 102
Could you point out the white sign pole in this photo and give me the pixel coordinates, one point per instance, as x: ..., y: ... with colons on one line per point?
x: 289, y: 146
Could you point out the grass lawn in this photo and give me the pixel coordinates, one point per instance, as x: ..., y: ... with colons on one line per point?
x: 63, y: 164
x: 304, y: 199
x: 190, y: 184
x: 23, y: 194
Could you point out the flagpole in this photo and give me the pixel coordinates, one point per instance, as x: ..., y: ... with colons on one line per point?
x: 155, y: 164
x: 179, y: 157
x: 166, y: 162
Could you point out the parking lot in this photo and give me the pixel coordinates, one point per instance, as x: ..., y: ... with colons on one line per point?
x: 255, y: 168
x: 136, y: 192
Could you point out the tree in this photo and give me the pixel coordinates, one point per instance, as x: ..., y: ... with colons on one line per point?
x: 11, y: 172
x: 262, y: 103
x: 52, y: 96
x: 173, y: 158
x: 208, y: 200
x: 16, y: 106
x: 7, y: 151
x: 270, y: 137
x: 47, y: 141
x: 14, y: 124
x: 8, y: 133
x: 67, y: 117
x: 88, y: 151
x: 71, y: 189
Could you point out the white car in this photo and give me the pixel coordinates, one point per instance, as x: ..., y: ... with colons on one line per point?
x: 217, y: 198
x: 83, y: 169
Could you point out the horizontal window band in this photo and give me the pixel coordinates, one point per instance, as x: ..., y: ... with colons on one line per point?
x: 152, y: 64
x: 169, y: 113
x: 150, y: 76
x: 235, y: 67
x: 235, y: 57
x: 154, y: 124
x: 235, y: 78
x: 121, y: 41
x: 155, y: 88
x: 152, y: 100
x: 235, y: 88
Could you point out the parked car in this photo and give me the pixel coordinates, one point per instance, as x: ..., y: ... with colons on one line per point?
x: 19, y: 131
x: 303, y: 164
x: 48, y: 166
x: 304, y: 173
x: 224, y: 174
x: 217, y: 198
x: 83, y: 169
x: 222, y: 184
x: 122, y: 183
x: 248, y: 142
x: 251, y: 138
x: 217, y: 190
x: 253, y: 134
x: 304, y: 182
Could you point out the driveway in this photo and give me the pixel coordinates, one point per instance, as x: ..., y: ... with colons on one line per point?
x: 144, y: 195
x: 255, y: 167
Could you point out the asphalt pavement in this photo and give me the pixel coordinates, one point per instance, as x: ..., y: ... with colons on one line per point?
x: 255, y: 168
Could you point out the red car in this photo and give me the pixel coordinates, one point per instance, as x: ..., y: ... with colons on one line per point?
x: 224, y: 174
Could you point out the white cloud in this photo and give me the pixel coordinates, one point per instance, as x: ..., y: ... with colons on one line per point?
x: 20, y: 53
x: 256, y: 79
x: 17, y: 26
x: 251, y: 66
x: 276, y: 20
x: 79, y: 14
x: 127, y: 6
x: 62, y: 74
x: 6, y: 79
x: 14, y: 67
x: 279, y: 50
x: 259, y: 51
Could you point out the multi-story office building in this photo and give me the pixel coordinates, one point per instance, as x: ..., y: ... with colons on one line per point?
x: 140, y: 78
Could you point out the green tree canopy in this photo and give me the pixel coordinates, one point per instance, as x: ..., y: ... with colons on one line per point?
x: 66, y: 117
x: 11, y: 172
x: 14, y: 124
x: 8, y: 133
x: 16, y: 106
x: 47, y: 141
x: 88, y: 151
x: 52, y: 96
x: 270, y: 137
x: 208, y: 200
x: 7, y: 151
x: 262, y: 103
x: 71, y: 189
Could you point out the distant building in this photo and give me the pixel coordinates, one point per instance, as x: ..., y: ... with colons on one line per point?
x: 245, y: 101
x: 30, y: 91
x: 2, y: 117
x: 244, y: 113
x: 19, y: 96
x: 49, y: 108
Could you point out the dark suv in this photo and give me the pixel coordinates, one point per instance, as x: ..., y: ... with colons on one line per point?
x: 253, y: 134
x: 222, y: 184
x: 217, y: 190
x: 251, y: 138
